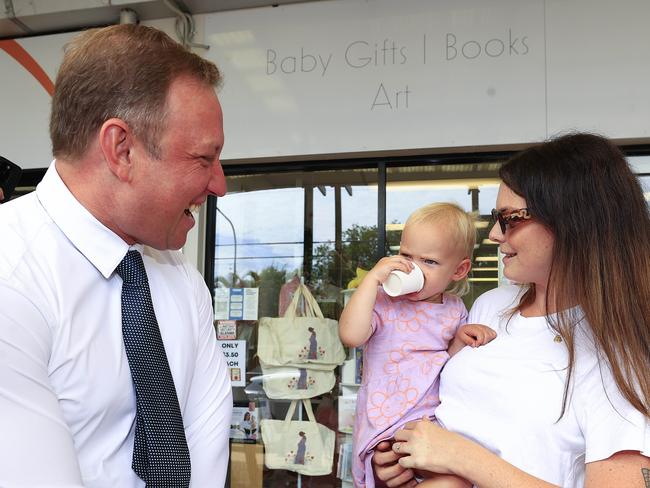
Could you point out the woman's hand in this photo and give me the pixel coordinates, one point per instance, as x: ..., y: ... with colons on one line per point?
x: 424, y: 445
x: 388, y: 471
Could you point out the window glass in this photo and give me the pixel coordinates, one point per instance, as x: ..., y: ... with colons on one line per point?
x: 277, y: 229
x: 274, y: 231
x: 473, y: 187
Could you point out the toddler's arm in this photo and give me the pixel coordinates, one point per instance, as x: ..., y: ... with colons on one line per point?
x: 354, y: 323
x: 473, y: 335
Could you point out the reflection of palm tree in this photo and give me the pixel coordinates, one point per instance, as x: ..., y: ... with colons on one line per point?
x: 313, y: 344
x: 302, y: 447
x: 233, y: 280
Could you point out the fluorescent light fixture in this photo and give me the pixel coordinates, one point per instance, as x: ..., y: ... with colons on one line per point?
x: 484, y: 269
x: 488, y: 241
x: 441, y: 184
x: 486, y: 258
x: 393, y: 227
x: 483, y: 279
x: 479, y: 224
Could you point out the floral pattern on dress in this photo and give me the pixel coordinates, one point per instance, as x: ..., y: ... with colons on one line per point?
x: 398, y: 357
x: 402, y: 362
x: 388, y: 406
x: 411, y: 319
x: 431, y: 361
x: 448, y: 323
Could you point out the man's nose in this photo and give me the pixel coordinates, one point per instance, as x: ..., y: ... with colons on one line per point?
x: 217, y: 184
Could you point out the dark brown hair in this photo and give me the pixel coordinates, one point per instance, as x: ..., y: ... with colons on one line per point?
x: 122, y: 71
x: 582, y: 189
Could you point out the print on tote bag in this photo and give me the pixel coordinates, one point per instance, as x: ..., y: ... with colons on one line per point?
x: 300, y: 455
x: 312, y: 351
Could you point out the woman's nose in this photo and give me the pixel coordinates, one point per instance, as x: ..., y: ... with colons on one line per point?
x: 495, y: 233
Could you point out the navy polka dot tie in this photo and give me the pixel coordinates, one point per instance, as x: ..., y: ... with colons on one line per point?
x: 161, y: 457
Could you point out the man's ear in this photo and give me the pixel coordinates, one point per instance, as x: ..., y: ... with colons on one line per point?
x: 116, y: 142
x: 462, y: 269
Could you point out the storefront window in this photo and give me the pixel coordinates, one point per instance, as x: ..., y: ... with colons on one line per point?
x: 471, y: 186
x: 278, y: 229
x: 275, y: 230
x: 641, y: 165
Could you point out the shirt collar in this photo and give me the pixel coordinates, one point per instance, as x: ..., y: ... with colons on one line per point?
x: 100, y: 245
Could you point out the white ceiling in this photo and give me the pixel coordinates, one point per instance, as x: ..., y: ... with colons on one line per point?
x: 19, y: 18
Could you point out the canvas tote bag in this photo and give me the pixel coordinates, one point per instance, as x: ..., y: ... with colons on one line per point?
x: 305, y: 447
x: 291, y: 383
x: 309, y: 341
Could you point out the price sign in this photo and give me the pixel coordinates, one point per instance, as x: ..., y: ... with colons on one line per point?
x: 235, y: 354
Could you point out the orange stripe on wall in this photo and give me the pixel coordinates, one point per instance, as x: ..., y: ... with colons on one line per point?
x: 17, y: 52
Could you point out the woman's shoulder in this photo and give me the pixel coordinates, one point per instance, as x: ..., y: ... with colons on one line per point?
x: 497, y: 300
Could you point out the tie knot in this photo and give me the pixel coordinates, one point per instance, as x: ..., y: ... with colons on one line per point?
x: 131, y: 269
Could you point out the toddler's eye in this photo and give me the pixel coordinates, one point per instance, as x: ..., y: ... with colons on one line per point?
x: 429, y: 261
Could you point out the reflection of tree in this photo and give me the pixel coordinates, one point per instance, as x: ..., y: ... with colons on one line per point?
x: 269, y: 281
x: 358, y: 249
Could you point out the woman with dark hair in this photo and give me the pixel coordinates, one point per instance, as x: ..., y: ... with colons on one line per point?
x: 313, y: 344
x: 301, y: 450
x: 562, y: 396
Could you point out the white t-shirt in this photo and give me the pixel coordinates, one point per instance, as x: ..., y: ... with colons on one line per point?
x: 67, y: 402
x: 507, y: 396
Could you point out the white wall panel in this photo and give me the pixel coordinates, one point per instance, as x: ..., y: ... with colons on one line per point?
x: 599, y: 66
x: 353, y: 75
x: 347, y: 76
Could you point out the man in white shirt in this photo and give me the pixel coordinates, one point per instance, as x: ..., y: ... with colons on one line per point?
x: 137, y: 133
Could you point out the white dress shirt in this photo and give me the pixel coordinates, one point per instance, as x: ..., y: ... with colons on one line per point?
x: 507, y: 395
x: 67, y: 402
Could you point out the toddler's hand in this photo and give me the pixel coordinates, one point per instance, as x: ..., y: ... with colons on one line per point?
x: 386, y: 265
x: 475, y: 335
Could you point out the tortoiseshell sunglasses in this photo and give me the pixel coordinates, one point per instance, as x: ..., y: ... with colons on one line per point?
x: 510, y: 218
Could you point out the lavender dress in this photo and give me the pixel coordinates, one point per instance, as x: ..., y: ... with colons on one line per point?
x: 402, y: 363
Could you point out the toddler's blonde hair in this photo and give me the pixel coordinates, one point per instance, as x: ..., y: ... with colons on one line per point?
x: 462, y: 230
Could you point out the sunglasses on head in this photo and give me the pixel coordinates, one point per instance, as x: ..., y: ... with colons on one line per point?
x: 510, y: 218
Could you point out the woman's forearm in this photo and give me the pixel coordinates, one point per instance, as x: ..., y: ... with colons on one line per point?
x: 430, y: 447
x: 485, y: 469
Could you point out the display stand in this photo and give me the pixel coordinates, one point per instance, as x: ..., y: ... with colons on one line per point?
x: 351, y: 372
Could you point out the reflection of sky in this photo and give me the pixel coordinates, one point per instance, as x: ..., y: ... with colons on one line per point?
x: 269, y: 223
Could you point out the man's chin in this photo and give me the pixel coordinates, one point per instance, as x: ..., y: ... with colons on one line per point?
x: 171, y: 243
